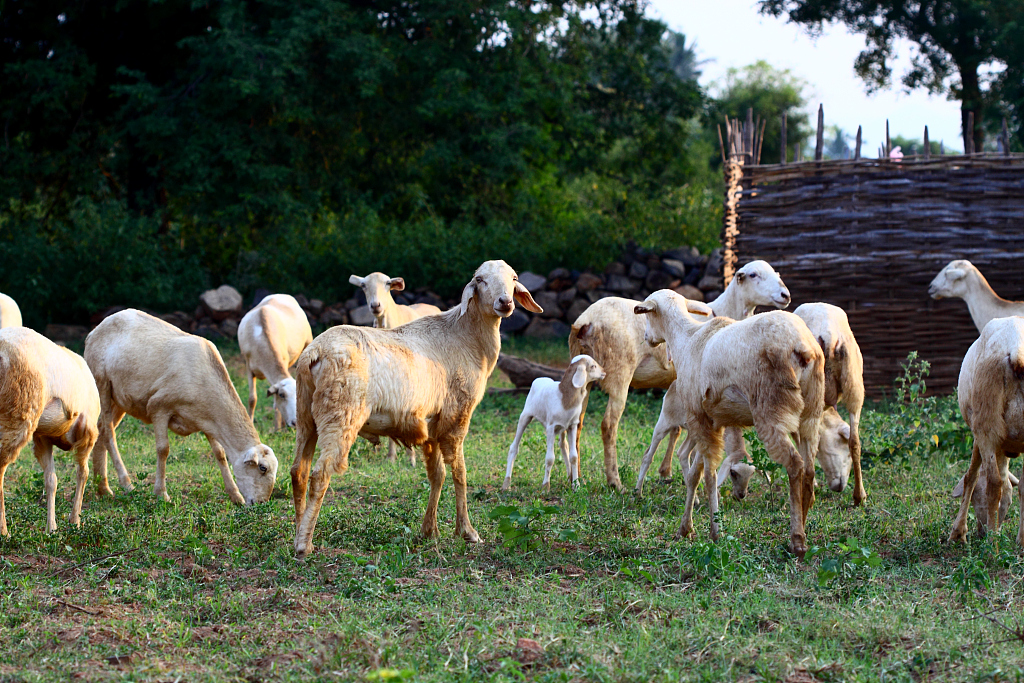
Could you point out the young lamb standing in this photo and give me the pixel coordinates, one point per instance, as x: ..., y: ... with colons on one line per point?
x: 609, y: 332
x: 991, y: 396
x: 388, y: 314
x: 48, y: 396
x: 766, y: 371
x: 10, y: 314
x: 557, y: 406
x: 271, y: 336
x: 418, y: 383
x: 962, y: 280
x: 177, y: 382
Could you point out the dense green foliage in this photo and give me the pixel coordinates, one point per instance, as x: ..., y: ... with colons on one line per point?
x: 288, y: 144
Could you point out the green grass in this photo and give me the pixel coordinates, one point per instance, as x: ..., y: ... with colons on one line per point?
x: 201, y: 590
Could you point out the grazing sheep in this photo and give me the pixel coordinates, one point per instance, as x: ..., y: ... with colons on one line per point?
x: 609, y: 332
x: 10, y: 314
x: 556, y: 405
x: 960, y: 279
x: 418, y: 383
x: 766, y: 371
x: 177, y: 382
x: 48, y: 396
x: 388, y: 314
x: 979, y: 501
x: 271, y: 336
x: 991, y: 396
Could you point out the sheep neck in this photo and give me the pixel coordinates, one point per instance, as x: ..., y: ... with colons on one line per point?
x: 571, y: 396
x: 481, y: 329
x: 984, y: 304
x: 388, y: 305
x: 730, y: 304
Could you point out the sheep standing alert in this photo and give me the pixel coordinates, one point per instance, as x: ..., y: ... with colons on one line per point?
x: 766, y: 371
x: 418, y: 383
x: 47, y: 396
x: 388, y: 314
x: 10, y: 314
x: 960, y: 279
x: 177, y: 382
x: 991, y: 396
x: 270, y: 337
x: 609, y: 332
x: 557, y: 406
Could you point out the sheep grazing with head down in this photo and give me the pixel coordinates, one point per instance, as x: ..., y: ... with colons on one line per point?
x: 960, y: 279
x: 609, y: 332
x: 10, y: 314
x: 991, y: 396
x: 47, y: 396
x: 270, y: 337
x: 557, y: 406
x: 388, y: 314
x: 418, y: 383
x: 177, y: 382
x: 766, y: 371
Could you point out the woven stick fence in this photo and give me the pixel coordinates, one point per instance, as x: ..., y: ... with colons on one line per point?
x: 869, y: 235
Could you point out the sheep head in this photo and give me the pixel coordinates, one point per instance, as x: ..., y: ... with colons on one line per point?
x: 665, y: 303
x: 284, y: 399
x: 834, y: 450
x: 760, y: 285
x: 255, y: 474
x: 584, y: 370
x: 378, y: 287
x: 496, y: 289
x: 951, y: 282
x: 979, y: 500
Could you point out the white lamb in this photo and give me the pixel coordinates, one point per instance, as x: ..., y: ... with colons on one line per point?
x: 10, y: 314
x: 557, y: 406
x: 271, y: 336
x: 48, y: 396
x: 991, y: 396
x: 177, y: 382
x: 960, y: 279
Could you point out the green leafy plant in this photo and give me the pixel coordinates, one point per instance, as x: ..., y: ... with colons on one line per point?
x: 970, y: 575
x: 845, y: 560
x: 370, y: 580
x: 719, y: 561
x: 525, y: 529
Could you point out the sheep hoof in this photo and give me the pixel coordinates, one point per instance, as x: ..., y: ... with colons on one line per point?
x: 301, y: 554
x: 684, y: 532
x: 575, y: 484
x: 859, y: 498
x: 469, y: 536
x: 236, y: 498
x: 959, y: 533
x: 547, y: 487
x: 798, y: 547
x: 507, y: 484
x: 102, y: 491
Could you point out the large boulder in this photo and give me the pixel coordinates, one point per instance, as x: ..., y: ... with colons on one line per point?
x: 622, y: 284
x: 588, y: 281
x: 222, y: 303
x: 658, y: 279
x: 690, y: 292
x: 532, y: 281
x: 576, y: 309
x: 689, y: 256
x: 334, y: 315
x: 549, y: 302
x: 543, y: 328
x: 709, y: 283
x: 180, y: 319
x: 674, y: 267
x: 361, y: 316
x: 637, y: 270
x: 65, y: 333
x: 515, y: 322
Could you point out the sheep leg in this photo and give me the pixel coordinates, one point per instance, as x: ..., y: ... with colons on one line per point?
x: 44, y: 454
x: 411, y: 453
x: 110, y: 418
x: 661, y: 430
x: 513, y: 450
x: 859, y: 494
x: 549, y: 456
x: 610, y: 430
x: 711, y: 486
x: 579, y: 426
x: 665, y: 471
x: 13, y: 437
x: 82, y: 463
x: 735, y: 453
x: 998, y: 471
x: 435, y: 474
x: 451, y: 448
x: 706, y: 439
x: 163, y: 449
x: 1020, y: 495
x: 336, y: 441
x: 252, y: 393
x: 782, y: 451
x: 3, y: 507
x: 229, y: 481
x: 573, y: 456
x: 959, y: 530
x: 305, y: 446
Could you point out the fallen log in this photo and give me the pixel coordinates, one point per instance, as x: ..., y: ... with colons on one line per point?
x: 522, y: 372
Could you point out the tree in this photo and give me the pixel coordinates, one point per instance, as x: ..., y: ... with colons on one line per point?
x: 682, y: 57
x: 953, y: 40
x: 770, y: 92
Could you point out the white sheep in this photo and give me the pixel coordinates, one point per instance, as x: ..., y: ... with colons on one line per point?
x: 270, y: 337
x: 10, y: 314
x: 609, y: 332
x: 960, y: 279
x: 388, y: 314
x: 766, y: 371
x: 418, y: 383
x: 990, y: 392
x: 47, y: 396
x: 177, y: 382
x: 979, y: 501
x: 557, y: 406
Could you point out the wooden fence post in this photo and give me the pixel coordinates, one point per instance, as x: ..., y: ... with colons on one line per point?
x: 856, y: 153
x: 927, y: 145
x: 819, y: 141
x: 969, y: 134
x: 782, y: 155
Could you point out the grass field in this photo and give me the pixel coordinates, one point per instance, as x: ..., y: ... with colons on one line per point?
x: 598, y: 590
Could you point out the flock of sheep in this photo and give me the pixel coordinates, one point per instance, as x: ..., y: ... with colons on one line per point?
x: 419, y: 373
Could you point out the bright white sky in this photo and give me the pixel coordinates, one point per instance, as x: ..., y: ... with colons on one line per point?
x: 731, y: 33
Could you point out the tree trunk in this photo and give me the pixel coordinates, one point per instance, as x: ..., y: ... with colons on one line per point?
x: 971, y: 101
x: 522, y: 372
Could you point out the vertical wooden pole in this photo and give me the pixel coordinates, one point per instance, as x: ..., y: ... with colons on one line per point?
x: 797, y: 156
x: 942, y: 148
x: 819, y: 140
x: 782, y: 154
x: 748, y: 137
x: 969, y: 134
x: 927, y: 145
x: 721, y: 143
x: 856, y: 153
x: 888, y: 141
x: 1006, y: 139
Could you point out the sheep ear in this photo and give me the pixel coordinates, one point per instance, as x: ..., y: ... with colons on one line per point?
x: 640, y: 309
x: 468, y: 293
x: 579, y: 378
x: 697, y: 308
x: 271, y: 390
x: 355, y: 280
x: 1013, y: 480
x: 958, y: 490
x: 741, y: 276
x: 525, y: 299
x: 583, y: 331
x: 844, y: 431
x: 396, y: 284
x: 956, y: 273
x: 249, y: 457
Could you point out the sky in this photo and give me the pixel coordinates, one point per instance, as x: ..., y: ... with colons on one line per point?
x: 731, y: 33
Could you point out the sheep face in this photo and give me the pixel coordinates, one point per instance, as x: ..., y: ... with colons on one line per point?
x: 585, y: 370
x: 980, y: 498
x: 255, y: 474
x: 654, y: 306
x: 496, y: 289
x: 284, y: 399
x: 834, y: 450
x: 377, y: 287
x: 762, y: 285
x: 739, y: 477
x: 951, y: 282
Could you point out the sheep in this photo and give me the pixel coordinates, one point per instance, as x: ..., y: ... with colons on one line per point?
x: 556, y: 405
x: 990, y: 392
x: 418, y: 383
x: 177, y: 382
x: 610, y: 333
x: 271, y: 336
x: 962, y: 280
x: 10, y: 314
x: 48, y: 396
x: 979, y: 501
x: 388, y: 314
x: 767, y: 371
